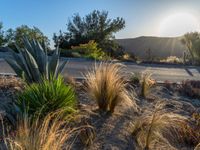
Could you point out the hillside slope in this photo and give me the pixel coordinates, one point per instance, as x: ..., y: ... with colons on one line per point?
x: 160, y: 47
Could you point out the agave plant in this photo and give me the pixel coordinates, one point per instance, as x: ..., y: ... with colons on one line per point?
x: 33, y: 63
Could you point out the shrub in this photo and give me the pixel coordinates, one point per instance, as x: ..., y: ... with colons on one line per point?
x: 32, y: 63
x: 191, y: 88
x: 90, y: 50
x: 172, y: 59
x: 69, y: 53
x: 106, y: 85
x: 127, y: 57
x: 46, y: 97
x: 51, y: 133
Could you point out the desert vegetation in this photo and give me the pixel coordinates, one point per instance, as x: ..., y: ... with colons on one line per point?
x: 106, y: 85
x: 109, y: 109
x: 97, y: 27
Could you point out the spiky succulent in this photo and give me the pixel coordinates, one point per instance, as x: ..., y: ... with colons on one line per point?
x: 33, y: 63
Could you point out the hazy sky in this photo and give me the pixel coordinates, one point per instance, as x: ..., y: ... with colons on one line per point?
x: 143, y: 17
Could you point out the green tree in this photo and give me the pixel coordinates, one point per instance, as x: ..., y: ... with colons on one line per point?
x: 192, y: 42
x: 94, y: 26
x: 2, y: 38
x: 16, y: 36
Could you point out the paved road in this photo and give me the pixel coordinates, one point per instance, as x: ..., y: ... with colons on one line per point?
x: 174, y: 73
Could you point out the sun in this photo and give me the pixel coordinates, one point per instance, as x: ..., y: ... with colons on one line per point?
x: 178, y: 24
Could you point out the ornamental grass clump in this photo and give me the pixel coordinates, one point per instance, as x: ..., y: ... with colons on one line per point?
x: 146, y: 84
x: 51, y: 133
x: 107, y: 86
x: 47, y: 96
x: 150, y: 129
x: 164, y: 129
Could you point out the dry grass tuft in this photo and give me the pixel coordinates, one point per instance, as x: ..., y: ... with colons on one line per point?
x: 153, y: 128
x: 70, y: 80
x: 162, y: 128
x: 107, y: 86
x: 52, y: 133
x: 146, y: 84
x: 197, y: 147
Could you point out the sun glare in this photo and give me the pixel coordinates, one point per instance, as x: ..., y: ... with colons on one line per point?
x: 178, y: 24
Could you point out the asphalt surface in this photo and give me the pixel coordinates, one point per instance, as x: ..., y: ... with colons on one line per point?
x: 173, y: 73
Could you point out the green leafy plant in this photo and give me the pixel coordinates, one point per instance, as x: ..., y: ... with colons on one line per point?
x: 32, y: 62
x: 47, y: 96
x: 90, y: 50
x: 106, y: 85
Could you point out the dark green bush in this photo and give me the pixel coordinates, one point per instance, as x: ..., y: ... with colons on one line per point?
x: 47, y: 96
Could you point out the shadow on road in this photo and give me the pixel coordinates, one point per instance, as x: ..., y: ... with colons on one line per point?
x: 189, y: 72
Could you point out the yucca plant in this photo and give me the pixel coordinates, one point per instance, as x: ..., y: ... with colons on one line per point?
x: 107, y: 86
x: 47, y: 96
x: 33, y: 63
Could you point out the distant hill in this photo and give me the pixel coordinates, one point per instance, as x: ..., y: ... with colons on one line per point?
x: 160, y: 47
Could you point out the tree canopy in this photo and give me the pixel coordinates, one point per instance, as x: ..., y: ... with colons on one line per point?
x: 15, y: 36
x: 2, y: 38
x: 95, y: 26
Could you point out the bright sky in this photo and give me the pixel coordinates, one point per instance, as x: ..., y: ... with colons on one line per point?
x: 143, y: 17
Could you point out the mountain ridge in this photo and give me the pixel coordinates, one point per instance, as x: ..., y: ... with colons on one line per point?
x: 160, y: 47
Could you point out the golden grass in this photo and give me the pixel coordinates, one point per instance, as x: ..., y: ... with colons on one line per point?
x: 146, y: 84
x: 161, y: 129
x: 52, y: 133
x: 197, y: 147
x: 151, y: 129
x: 107, y: 86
